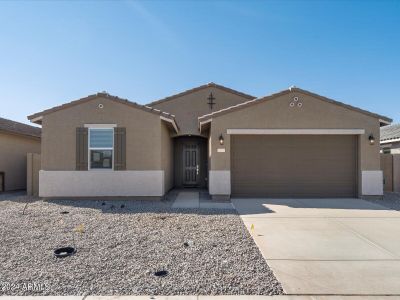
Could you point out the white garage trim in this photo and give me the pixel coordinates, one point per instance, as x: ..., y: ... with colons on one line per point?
x: 100, y: 183
x: 296, y: 131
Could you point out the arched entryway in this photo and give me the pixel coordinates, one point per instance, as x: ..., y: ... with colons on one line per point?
x: 190, y: 162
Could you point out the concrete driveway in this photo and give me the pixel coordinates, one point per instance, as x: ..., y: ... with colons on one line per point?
x: 327, y: 246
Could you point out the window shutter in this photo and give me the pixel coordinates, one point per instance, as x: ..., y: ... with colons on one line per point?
x: 119, y: 148
x: 81, y: 148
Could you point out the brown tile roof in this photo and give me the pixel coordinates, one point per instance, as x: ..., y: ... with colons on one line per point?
x: 383, y: 119
x: 211, y: 84
x: 390, y: 132
x: 19, y: 128
x: 104, y: 95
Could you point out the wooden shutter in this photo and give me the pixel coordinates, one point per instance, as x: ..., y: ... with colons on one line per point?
x: 81, y: 148
x: 119, y: 148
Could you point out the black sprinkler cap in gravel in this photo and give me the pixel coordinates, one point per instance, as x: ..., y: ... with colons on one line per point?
x: 161, y: 273
x: 64, y: 252
x: 64, y: 212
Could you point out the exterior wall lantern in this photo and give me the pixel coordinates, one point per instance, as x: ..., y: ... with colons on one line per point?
x: 371, y: 139
x: 221, y: 139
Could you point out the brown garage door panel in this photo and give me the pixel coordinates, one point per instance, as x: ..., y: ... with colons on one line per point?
x: 294, y: 165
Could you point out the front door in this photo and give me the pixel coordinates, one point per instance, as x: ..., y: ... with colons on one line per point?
x: 191, y: 164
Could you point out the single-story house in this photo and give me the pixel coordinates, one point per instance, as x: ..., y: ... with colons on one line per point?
x: 293, y: 143
x: 16, y: 140
x: 390, y: 139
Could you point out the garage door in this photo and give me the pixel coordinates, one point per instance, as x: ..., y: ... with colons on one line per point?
x: 294, y: 165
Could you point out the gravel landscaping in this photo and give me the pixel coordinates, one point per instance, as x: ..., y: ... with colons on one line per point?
x: 390, y: 200
x: 121, y: 244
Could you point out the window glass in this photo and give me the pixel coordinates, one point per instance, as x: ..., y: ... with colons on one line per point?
x: 101, y: 138
x: 100, y: 159
x: 101, y: 142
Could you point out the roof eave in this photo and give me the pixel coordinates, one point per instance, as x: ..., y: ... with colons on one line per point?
x: 360, y: 110
x: 36, y: 120
x: 203, y: 123
x: 172, y: 122
x: 391, y: 140
x: 37, y: 117
x: 382, y: 119
x: 385, y: 122
x: 34, y: 136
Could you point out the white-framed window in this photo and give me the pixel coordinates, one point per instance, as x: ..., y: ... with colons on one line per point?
x: 101, y: 148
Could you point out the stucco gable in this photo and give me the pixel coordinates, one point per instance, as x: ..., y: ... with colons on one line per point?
x: 167, y: 117
x: 208, y: 117
x: 201, y: 87
x: 191, y: 104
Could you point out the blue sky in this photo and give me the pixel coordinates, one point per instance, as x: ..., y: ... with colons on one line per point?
x: 52, y: 52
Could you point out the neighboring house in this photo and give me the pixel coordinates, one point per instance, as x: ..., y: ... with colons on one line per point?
x: 16, y: 140
x: 290, y: 144
x: 390, y: 139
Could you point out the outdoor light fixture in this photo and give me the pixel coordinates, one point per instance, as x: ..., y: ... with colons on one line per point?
x: 221, y: 139
x: 371, y: 139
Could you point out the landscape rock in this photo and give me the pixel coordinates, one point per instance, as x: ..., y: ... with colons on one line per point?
x: 120, y: 249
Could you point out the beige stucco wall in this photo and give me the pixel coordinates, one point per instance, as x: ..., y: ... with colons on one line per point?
x: 314, y: 114
x: 143, y: 134
x: 32, y: 174
x: 189, y: 107
x: 13, y: 154
x: 396, y: 173
x: 167, y: 157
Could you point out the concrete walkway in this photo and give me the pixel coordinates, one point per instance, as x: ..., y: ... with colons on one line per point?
x: 327, y: 246
x: 191, y: 199
x: 186, y: 200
